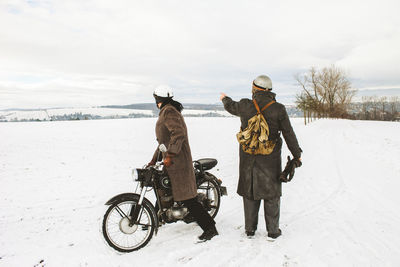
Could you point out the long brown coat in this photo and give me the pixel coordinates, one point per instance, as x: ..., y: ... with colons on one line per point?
x: 172, y: 132
x: 259, y: 174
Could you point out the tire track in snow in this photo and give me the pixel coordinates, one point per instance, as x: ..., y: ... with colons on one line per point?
x: 330, y: 137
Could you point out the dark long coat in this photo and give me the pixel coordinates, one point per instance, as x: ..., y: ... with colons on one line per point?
x: 259, y: 174
x: 172, y: 132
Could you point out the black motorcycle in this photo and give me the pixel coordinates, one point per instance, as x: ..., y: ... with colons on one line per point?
x: 131, y: 220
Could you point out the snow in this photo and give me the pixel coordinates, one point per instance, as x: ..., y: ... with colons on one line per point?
x: 202, y: 112
x: 341, y: 209
x: 45, y: 114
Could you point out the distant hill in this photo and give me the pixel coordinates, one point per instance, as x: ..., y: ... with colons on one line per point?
x: 152, y: 106
x: 291, y: 109
x: 143, y: 106
x: 142, y: 110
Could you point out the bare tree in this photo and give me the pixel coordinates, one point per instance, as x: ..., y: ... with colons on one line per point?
x: 325, y: 92
x: 394, y: 102
x: 305, y: 103
x: 375, y: 105
x: 382, y: 103
x: 310, y: 93
x: 366, y: 104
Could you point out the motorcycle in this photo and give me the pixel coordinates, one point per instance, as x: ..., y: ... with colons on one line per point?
x: 131, y: 219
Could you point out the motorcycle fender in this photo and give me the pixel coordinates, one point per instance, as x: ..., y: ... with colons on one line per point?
x: 124, y: 196
x: 132, y: 196
x: 210, y: 177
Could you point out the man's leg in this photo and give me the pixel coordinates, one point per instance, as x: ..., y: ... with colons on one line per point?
x: 201, y: 216
x: 251, y: 208
x: 271, y: 214
x: 203, y: 219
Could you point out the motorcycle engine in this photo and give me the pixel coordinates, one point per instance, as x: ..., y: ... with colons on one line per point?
x: 165, y: 192
x: 172, y: 211
x: 176, y: 212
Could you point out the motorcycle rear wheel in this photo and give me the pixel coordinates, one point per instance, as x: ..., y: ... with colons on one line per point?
x: 213, y: 196
x: 117, y: 231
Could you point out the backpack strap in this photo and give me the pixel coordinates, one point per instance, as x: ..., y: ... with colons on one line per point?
x: 256, y: 105
x: 267, y: 105
x: 264, y: 108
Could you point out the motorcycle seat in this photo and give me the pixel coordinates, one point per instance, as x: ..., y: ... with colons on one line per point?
x: 206, y: 163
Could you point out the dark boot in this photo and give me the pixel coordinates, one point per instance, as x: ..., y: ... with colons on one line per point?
x: 208, y: 234
x: 250, y: 233
x: 275, y: 235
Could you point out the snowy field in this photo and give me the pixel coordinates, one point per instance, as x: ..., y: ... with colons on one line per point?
x: 45, y: 114
x: 341, y: 209
x: 197, y: 112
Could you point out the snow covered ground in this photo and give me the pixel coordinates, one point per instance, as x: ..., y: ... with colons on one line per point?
x: 341, y: 209
x: 47, y: 114
x: 198, y: 112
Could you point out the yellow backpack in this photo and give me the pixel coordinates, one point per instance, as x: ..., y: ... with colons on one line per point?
x: 254, y: 139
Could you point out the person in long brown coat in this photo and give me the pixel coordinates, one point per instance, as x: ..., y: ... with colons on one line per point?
x: 172, y: 132
x: 259, y: 174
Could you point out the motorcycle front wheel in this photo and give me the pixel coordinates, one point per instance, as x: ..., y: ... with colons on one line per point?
x: 117, y: 230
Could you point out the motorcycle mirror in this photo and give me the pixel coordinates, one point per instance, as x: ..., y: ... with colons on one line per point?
x: 162, y: 148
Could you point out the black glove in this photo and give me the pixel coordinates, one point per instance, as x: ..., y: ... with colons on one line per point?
x: 297, y: 162
x: 288, y: 172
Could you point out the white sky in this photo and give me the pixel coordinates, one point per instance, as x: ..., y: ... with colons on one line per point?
x: 83, y: 53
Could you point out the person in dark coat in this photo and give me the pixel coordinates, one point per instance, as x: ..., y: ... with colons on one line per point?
x: 172, y: 132
x: 259, y: 174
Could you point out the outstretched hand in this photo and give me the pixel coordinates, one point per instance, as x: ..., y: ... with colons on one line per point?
x: 223, y: 95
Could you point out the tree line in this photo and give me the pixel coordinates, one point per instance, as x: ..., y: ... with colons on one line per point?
x: 377, y: 108
x: 328, y: 93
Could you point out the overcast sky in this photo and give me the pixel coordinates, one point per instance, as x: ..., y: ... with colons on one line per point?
x: 74, y: 53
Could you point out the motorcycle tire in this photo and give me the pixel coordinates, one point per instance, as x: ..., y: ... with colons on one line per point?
x: 117, y: 231
x: 211, y: 189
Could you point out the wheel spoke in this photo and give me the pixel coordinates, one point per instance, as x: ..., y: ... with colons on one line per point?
x: 122, y: 236
x: 120, y: 211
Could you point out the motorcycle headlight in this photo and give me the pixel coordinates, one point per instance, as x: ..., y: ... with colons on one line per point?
x: 135, y: 175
